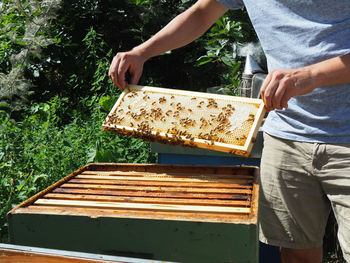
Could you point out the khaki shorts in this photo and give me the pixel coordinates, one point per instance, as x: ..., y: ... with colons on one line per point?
x: 300, y: 183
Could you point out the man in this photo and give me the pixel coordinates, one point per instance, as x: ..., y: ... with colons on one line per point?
x: 305, y: 167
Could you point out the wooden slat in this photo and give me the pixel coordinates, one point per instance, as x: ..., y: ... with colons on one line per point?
x: 241, y: 218
x: 153, y: 194
x: 195, y: 94
x: 187, y: 176
x: 26, y: 257
x: 154, y: 200
x: 170, y: 179
x: 26, y: 254
x: 140, y: 181
x: 158, y: 188
x: 164, y: 207
x: 173, y: 169
x: 11, y: 256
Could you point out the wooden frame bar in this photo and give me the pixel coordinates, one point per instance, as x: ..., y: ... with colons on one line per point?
x: 26, y: 254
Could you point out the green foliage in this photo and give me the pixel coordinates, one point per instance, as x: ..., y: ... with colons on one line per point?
x: 221, y: 45
x: 24, y: 27
x: 37, y: 151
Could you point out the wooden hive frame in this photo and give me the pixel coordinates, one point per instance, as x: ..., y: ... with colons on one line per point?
x: 242, y: 146
x: 175, y: 192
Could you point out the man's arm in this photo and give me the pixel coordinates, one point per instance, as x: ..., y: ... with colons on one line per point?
x: 182, y: 30
x: 281, y: 85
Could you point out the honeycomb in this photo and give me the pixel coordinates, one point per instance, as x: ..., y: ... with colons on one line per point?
x: 186, y: 118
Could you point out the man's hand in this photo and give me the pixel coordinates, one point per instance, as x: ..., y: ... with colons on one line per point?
x: 180, y: 31
x: 123, y: 62
x: 281, y: 85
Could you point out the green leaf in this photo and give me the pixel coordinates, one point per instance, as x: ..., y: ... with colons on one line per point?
x: 106, y: 103
x: 37, y: 177
x: 205, y: 62
x: 228, y: 61
x: 91, y: 155
x: 105, y: 156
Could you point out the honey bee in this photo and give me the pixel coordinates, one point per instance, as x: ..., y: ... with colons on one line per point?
x: 172, y: 97
x: 162, y: 99
x: 179, y: 108
x: 251, y: 117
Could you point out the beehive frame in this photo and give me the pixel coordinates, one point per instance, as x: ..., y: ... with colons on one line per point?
x: 178, y: 192
x: 212, y: 121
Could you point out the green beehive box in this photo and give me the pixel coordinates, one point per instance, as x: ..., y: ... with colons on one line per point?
x: 180, y: 213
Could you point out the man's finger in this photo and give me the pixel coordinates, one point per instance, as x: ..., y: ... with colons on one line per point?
x: 136, y: 73
x: 269, y: 94
x: 122, y: 69
x: 265, y: 84
x: 112, y: 73
x: 277, y: 98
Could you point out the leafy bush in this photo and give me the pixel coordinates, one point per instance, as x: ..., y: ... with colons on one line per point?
x: 37, y: 151
x: 24, y: 33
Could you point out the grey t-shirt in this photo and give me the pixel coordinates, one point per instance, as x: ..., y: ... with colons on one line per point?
x: 296, y: 33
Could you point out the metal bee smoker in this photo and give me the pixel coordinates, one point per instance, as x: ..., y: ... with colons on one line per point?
x: 252, y: 79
